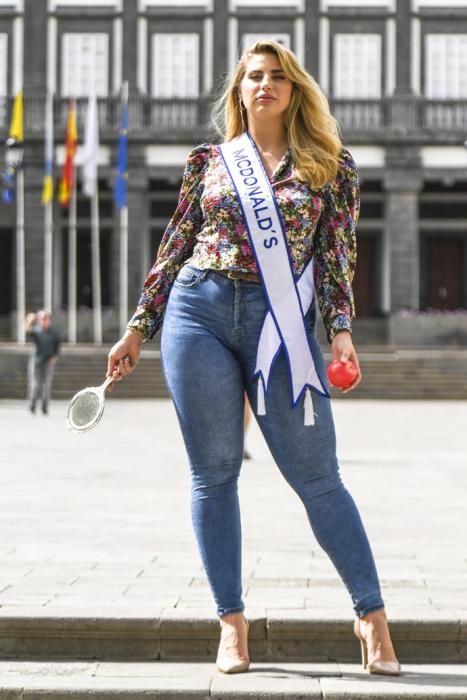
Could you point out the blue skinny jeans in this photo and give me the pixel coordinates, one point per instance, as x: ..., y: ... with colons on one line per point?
x: 209, y: 342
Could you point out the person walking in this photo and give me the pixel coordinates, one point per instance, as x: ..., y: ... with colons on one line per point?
x: 46, y: 347
x: 264, y: 231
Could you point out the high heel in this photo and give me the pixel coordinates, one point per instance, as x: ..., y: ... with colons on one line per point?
x: 230, y: 658
x: 364, y: 651
x: 375, y: 665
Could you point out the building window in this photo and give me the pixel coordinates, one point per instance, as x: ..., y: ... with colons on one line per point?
x: 175, y: 65
x: 451, y: 4
x: 446, y: 66
x: 175, y: 3
x: 357, y: 66
x: 3, y: 64
x: 357, y: 81
x: 54, y: 4
x: 388, y: 4
x: 3, y: 81
x: 250, y: 39
x: 85, y: 65
x: 248, y: 4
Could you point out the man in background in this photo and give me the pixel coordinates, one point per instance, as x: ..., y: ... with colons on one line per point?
x: 46, y: 345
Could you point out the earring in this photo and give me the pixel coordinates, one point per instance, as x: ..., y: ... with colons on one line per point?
x: 242, y: 113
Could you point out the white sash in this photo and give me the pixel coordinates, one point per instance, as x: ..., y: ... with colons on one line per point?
x: 288, y: 301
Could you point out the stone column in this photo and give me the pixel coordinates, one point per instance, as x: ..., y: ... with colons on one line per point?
x: 35, y: 86
x: 35, y: 46
x: 220, y: 48
x: 403, y: 47
x: 312, y: 37
x: 403, y: 182
x: 130, y: 44
x: 34, y: 229
x: 138, y: 216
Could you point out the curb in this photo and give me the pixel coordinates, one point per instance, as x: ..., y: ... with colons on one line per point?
x: 176, y: 635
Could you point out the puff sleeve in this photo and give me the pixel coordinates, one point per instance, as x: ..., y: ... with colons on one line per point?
x: 335, y: 249
x: 176, y: 247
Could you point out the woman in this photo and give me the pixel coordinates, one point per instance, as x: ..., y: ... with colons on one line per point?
x: 224, y: 290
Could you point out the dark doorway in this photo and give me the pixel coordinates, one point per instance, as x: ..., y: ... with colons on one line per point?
x: 7, y: 272
x: 366, y: 275
x: 84, y: 283
x: 444, y: 272
x: 155, y: 241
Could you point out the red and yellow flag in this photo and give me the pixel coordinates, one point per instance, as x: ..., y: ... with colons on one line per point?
x: 68, y: 170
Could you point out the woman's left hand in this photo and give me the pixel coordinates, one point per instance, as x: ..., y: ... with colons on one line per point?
x: 342, y: 349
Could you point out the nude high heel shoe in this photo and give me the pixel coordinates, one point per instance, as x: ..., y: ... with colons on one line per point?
x: 376, y: 665
x: 232, y: 656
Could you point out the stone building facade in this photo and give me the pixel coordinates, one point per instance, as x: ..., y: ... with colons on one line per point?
x: 395, y: 72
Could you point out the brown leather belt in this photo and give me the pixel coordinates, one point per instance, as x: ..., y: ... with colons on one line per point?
x: 239, y: 275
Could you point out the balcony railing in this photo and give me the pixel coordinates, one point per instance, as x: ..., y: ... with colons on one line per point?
x: 402, y: 115
x: 397, y: 116
x: 146, y: 114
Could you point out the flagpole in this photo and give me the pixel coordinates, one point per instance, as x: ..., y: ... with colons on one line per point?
x: 96, y: 266
x: 48, y: 210
x: 20, y: 257
x: 14, y: 163
x: 123, y: 276
x: 72, y: 266
x: 48, y: 247
x: 123, y: 268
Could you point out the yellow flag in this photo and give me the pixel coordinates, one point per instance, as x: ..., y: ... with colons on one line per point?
x: 48, y: 183
x: 16, y: 126
x: 47, y: 189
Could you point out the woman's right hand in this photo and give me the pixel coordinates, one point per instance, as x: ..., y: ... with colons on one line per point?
x: 124, y: 356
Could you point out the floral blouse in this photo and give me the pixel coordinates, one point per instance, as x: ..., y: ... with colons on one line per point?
x: 208, y: 231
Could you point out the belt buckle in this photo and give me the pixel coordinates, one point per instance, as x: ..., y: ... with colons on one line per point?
x: 231, y: 274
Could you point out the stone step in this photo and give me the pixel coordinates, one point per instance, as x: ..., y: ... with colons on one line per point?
x: 183, y: 635
x: 387, y: 374
x: 181, y: 681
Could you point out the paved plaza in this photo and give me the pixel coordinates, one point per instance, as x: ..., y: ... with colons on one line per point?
x: 99, y: 523
x: 103, y: 517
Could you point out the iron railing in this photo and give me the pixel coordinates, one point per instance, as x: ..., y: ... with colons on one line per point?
x: 400, y: 116
x: 146, y: 114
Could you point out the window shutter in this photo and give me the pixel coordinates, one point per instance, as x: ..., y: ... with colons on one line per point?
x: 446, y: 66
x: 85, y: 65
x: 3, y: 64
x: 175, y: 65
x: 357, y: 66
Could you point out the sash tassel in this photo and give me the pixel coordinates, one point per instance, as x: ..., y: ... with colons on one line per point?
x: 309, y: 418
x: 261, y: 407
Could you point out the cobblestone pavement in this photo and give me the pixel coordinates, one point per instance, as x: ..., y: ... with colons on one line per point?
x: 101, y: 520
x: 99, y: 681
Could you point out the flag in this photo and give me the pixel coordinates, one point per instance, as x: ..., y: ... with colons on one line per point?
x: 91, y: 148
x: 121, y: 180
x: 48, y: 184
x: 68, y: 170
x: 13, y: 158
x: 16, y: 126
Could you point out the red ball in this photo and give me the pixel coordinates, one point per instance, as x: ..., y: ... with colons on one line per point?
x: 341, y: 374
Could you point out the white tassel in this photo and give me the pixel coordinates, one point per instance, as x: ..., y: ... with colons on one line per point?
x: 308, y: 409
x: 261, y: 409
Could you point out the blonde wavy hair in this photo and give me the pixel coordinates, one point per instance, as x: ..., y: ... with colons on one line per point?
x: 313, y: 133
